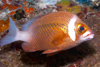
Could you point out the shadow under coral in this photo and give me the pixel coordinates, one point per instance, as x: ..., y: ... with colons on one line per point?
x: 59, y: 59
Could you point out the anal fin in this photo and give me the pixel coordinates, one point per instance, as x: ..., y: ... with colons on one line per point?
x: 51, y: 51
x: 27, y: 48
x: 51, y: 54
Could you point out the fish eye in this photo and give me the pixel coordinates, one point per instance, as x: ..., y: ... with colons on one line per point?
x: 81, y: 28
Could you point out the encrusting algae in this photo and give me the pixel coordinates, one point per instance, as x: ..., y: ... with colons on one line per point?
x: 68, y: 6
x: 4, y: 25
x: 10, y: 10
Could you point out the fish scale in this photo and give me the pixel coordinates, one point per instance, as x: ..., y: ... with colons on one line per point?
x: 47, y: 31
x: 52, y: 33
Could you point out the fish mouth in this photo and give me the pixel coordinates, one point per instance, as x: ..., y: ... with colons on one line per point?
x: 89, y: 36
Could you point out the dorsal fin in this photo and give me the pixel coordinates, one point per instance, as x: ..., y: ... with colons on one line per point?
x: 27, y: 24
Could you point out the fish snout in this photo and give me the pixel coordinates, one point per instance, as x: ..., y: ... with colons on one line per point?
x: 88, y: 35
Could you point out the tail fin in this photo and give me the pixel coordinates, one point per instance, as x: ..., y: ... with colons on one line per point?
x: 10, y: 37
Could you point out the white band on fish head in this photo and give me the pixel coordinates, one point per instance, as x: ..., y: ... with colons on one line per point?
x: 71, y: 28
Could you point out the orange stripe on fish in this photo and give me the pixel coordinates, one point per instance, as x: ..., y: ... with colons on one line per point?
x: 52, y: 33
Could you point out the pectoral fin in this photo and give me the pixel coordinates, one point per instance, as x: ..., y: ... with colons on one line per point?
x: 51, y: 51
x: 59, y: 37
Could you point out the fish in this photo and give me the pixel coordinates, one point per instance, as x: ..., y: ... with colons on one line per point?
x: 51, y: 33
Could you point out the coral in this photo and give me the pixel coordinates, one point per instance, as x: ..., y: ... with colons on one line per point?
x: 66, y: 5
x: 20, y: 13
x: 10, y: 8
x: 96, y: 2
x: 44, y: 3
x: 4, y: 25
x: 86, y: 2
